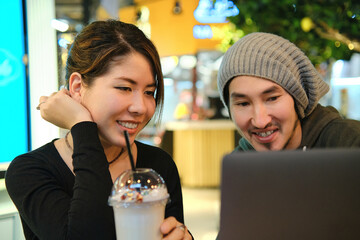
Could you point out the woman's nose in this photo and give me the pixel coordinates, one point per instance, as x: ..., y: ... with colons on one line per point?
x: 261, y: 117
x: 137, y: 104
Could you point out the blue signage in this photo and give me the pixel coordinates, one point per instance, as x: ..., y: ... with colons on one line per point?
x: 13, y: 90
x: 209, y: 12
x: 202, y: 31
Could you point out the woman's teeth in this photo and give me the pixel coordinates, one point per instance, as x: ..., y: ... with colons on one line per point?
x: 128, y: 125
x: 264, y: 134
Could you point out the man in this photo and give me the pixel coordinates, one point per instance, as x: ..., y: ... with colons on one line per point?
x: 271, y: 90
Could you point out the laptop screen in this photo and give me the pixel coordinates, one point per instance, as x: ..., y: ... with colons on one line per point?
x: 291, y: 195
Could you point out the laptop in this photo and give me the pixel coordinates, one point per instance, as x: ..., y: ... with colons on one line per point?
x: 291, y: 195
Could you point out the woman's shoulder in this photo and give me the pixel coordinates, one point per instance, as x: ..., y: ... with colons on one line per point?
x: 41, y: 153
x: 152, y: 156
x: 37, y: 158
x: 150, y: 149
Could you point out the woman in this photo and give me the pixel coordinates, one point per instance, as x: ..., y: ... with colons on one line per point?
x: 115, y: 83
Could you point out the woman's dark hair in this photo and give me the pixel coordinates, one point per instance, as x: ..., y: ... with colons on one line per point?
x: 96, y: 46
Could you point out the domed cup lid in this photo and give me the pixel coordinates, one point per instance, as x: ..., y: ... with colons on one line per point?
x: 144, y: 185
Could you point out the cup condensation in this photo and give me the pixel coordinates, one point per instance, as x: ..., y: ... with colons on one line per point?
x: 138, y: 199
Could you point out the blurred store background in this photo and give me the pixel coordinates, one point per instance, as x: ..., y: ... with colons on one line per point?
x: 191, y: 37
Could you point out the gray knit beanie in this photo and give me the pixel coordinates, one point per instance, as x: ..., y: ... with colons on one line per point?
x: 274, y: 58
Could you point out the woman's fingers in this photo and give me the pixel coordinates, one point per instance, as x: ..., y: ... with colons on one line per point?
x: 62, y: 110
x: 43, y: 99
x: 38, y: 106
x: 172, y: 229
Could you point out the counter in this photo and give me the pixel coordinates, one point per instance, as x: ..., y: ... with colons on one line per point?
x: 10, y: 223
x: 198, y: 148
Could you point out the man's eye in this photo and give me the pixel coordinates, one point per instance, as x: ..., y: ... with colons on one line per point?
x: 273, y: 98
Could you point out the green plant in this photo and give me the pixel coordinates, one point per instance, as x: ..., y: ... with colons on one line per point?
x: 324, y: 29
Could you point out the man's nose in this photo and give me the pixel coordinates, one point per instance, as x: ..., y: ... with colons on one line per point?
x: 261, y: 117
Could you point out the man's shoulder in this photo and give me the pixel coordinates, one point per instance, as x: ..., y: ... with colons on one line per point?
x: 351, y: 126
x: 341, y: 133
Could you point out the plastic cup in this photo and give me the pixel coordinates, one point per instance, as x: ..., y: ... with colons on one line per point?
x: 138, y: 199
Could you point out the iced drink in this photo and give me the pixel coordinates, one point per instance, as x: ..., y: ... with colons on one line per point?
x: 138, y: 199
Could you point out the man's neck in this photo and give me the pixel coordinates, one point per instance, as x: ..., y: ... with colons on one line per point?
x: 295, y: 138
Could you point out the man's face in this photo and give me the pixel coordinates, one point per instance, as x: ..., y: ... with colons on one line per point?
x: 264, y: 114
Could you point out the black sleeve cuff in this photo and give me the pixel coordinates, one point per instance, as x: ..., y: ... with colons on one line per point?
x: 85, y: 133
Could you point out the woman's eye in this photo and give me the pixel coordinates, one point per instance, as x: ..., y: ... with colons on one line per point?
x: 242, y: 104
x: 150, y: 93
x: 123, y: 88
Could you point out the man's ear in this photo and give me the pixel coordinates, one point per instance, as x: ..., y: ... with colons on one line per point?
x: 75, y: 85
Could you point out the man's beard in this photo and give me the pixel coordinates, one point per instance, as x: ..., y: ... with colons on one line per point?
x: 268, y: 145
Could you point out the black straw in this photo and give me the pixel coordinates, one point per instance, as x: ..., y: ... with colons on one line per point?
x: 129, y: 150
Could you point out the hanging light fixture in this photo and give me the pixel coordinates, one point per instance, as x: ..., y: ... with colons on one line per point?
x: 177, y: 7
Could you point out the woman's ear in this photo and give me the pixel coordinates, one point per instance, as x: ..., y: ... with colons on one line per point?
x: 75, y: 85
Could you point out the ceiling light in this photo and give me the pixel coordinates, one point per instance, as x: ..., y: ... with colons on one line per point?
x: 61, y: 26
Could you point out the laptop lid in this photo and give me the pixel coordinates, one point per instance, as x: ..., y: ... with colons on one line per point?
x: 289, y: 195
